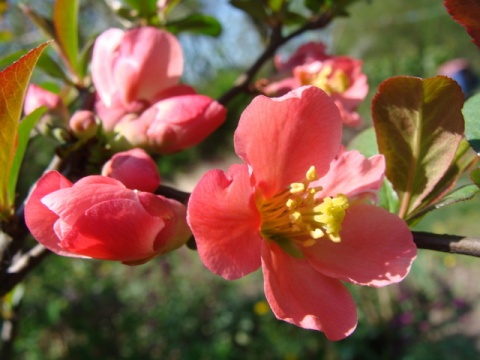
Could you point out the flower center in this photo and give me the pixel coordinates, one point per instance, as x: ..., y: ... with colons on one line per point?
x: 295, y: 217
x: 332, y: 82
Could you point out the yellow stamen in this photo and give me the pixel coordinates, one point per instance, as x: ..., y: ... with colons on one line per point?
x: 296, y: 217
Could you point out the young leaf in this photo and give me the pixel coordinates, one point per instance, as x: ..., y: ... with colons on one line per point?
x: 419, y: 125
x: 24, y: 129
x: 196, y: 23
x: 466, y: 13
x: 65, y: 21
x: 13, y: 84
x: 463, y: 193
x: 471, y: 113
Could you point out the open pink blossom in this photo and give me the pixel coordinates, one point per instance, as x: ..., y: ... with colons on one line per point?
x: 138, y: 70
x: 302, y: 210
x: 98, y: 217
x: 135, y: 169
x: 340, y: 77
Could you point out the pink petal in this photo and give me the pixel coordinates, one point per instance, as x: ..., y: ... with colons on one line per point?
x: 225, y: 222
x: 103, y: 58
x: 376, y: 248
x: 305, y: 54
x: 135, y: 169
x: 282, y: 137
x: 70, y: 203
x: 181, y: 122
x: 39, y: 219
x: 302, y: 296
x: 158, y: 60
x: 118, y: 229
x: 352, y: 174
x: 174, y: 215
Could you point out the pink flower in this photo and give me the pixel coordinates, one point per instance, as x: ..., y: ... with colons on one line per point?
x: 136, y: 74
x: 340, y: 77
x: 135, y: 169
x: 57, y: 114
x: 98, y: 217
x: 302, y: 212
x: 36, y: 96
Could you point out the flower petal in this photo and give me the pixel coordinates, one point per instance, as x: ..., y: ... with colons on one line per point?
x: 70, y: 203
x: 157, y: 57
x: 225, y: 222
x: 376, y: 248
x: 40, y: 220
x: 282, y: 137
x: 118, y: 229
x: 352, y: 174
x: 103, y: 58
x: 300, y: 295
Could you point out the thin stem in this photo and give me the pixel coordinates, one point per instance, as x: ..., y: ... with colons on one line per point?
x: 447, y: 243
x: 276, y: 40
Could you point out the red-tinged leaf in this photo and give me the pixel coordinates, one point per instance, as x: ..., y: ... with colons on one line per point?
x: 13, y: 84
x: 419, y: 125
x: 467, y: 14
x: 65, y: 21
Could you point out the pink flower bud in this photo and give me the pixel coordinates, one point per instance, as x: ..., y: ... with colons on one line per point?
x: 140, y: 102
x: 98, y: 217
x: 83, y: 124
x: 135, y: 169
x: 136, y: 64
x: 172, y: 124
x: 37, y: 96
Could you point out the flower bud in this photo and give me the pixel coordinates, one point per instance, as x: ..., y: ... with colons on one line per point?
x: 83, y: 124
x: 98, y: 217
x: 135, y: 169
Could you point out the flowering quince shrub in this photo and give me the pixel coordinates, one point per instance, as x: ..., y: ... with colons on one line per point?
x: 340, y: 77
x: 302, y: 213
x: 136, y: 75
x: 314, y: 214
x: 100, y: 217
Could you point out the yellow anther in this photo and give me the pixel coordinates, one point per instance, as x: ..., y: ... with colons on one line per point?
x: 312, y: 174
x: 297, y: 188
x: 317, y: 233
x: 291, y: 204
x: 295, y: 217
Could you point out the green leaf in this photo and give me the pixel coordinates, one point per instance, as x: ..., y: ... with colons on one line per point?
x: 275, y: 5
x: 144, y: 7
x: 471, y: 113
x: 419, y: 125
x: 24, y: 130
x: 51, y: 67
x: 475, y: 176
x: 387, y: 197
x: 463, y: 193
x: 253, y: 8
x: 13, y: 84
x: 196, y: 23
x: 65, y: 21
x: 365, y: 142
x: 7, y: 60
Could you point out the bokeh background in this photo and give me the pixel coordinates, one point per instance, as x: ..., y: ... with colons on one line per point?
x: 172, y: 307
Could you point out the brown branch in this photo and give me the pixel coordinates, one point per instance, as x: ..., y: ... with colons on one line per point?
x: 276, y: 40
x: 22, y: 266
x: 447, y: 243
